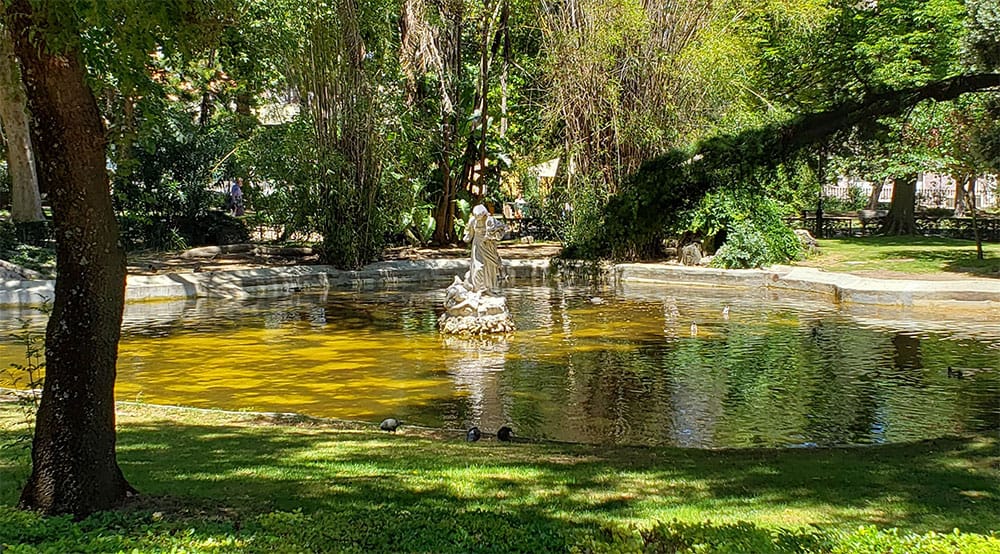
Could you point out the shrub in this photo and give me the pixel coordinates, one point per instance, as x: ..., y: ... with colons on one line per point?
x: 749, y: 244
x: 871, y: 540
x: 442, y: 529
x: 744, y: 537
x: 8, y: 235
x: 756, y: 234
x: 165, y: 189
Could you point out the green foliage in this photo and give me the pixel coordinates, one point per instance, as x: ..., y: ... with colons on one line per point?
x: 871, y: 540
x: 338, y: 55
x: 167, y: 193
x: 744, y: 537
x: 420, y: 224
x: 8, y: 236
x: 284, y: 162
x: 732, y: 538
x: 579, y: 229
x: 5, y: 180
x: 988, y: 138
x: 219, y: 482
x: 425, y: 530
x: 756, y: 234
x: 984, y: 29
x: 16, y: 249
x: 856, y: 200
x: 387, y: 529
x: 752, y: 244
x: 463, y: 209
x: 857, y: 47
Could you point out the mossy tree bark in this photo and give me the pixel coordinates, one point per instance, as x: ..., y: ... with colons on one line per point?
x: 74, y: 466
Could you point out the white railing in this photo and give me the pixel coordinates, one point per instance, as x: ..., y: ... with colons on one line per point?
x: 933, y: 190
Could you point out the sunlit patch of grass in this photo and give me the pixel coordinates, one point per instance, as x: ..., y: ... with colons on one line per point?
x: 916, y: 255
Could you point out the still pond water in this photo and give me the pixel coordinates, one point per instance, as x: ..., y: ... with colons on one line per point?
x: 630, y: 369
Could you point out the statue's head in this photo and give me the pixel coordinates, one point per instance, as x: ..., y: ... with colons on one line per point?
x: 480, y: 211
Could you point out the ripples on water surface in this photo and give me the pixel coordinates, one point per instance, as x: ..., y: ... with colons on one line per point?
x: 627, y: 370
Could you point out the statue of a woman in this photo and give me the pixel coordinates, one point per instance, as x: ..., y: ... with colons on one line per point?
x: 482, y: 232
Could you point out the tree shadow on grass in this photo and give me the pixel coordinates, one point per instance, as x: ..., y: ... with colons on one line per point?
x: 951, y: 255
x: 907, y: 241
x: 987, y: 268
x: 928, y: 485
x: 321, y: 489
x: 955, y: 261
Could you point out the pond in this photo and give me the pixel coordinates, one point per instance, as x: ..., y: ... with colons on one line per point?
x: 628, y: 369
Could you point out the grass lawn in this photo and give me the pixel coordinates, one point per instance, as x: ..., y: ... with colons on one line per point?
x: 917, y: 255
x: 215, y: 482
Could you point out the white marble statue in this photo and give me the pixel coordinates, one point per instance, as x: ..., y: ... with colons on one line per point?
x: 460, y: 299
x: 485, y: 268
x: 472, y: 305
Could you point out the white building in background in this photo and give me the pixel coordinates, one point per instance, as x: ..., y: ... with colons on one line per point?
x: 934, y: 190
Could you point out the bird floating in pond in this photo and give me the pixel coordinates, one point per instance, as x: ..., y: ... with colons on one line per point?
x: 956, y: 373
x: 597, y: 300
x: 694, y: 328
x: 473, y: 435
x: 505, y: 433
x: 389, y: 424
x: 725, y: 312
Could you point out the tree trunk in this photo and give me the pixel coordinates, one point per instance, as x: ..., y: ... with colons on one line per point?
x: 450, y: 48
x: 505, y: 68
x: 26, y: 203
x: 901, y: 212
x: 970, y: 199
x: 820, y: 171
x: 474, y: 170
x: 207, y: 106
x: 876, y: 192
x: 959, y: 194
x: 74, y: 468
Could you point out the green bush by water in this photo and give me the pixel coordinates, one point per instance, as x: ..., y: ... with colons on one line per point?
x: 751, y: 245
x: 756, y: 233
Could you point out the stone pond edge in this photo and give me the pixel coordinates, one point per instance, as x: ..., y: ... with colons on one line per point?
x: 840, y: 288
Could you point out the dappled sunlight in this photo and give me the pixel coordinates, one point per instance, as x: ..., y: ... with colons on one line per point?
x: 314, y: 474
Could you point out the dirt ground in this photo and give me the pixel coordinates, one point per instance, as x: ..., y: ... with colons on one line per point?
x: 205, y: 259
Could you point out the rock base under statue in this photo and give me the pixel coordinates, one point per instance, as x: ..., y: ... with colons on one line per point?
x: 478, y: 315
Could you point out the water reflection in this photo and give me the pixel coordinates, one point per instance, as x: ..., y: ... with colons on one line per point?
x: 768, y: 372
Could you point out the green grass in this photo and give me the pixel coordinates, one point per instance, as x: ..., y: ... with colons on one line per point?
x: 215, y: 482
x: 916, y: 255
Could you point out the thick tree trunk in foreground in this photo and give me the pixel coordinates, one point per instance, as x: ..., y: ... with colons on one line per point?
x: 901, y: 213
x: 74, y: 468
x: 26, y: 203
